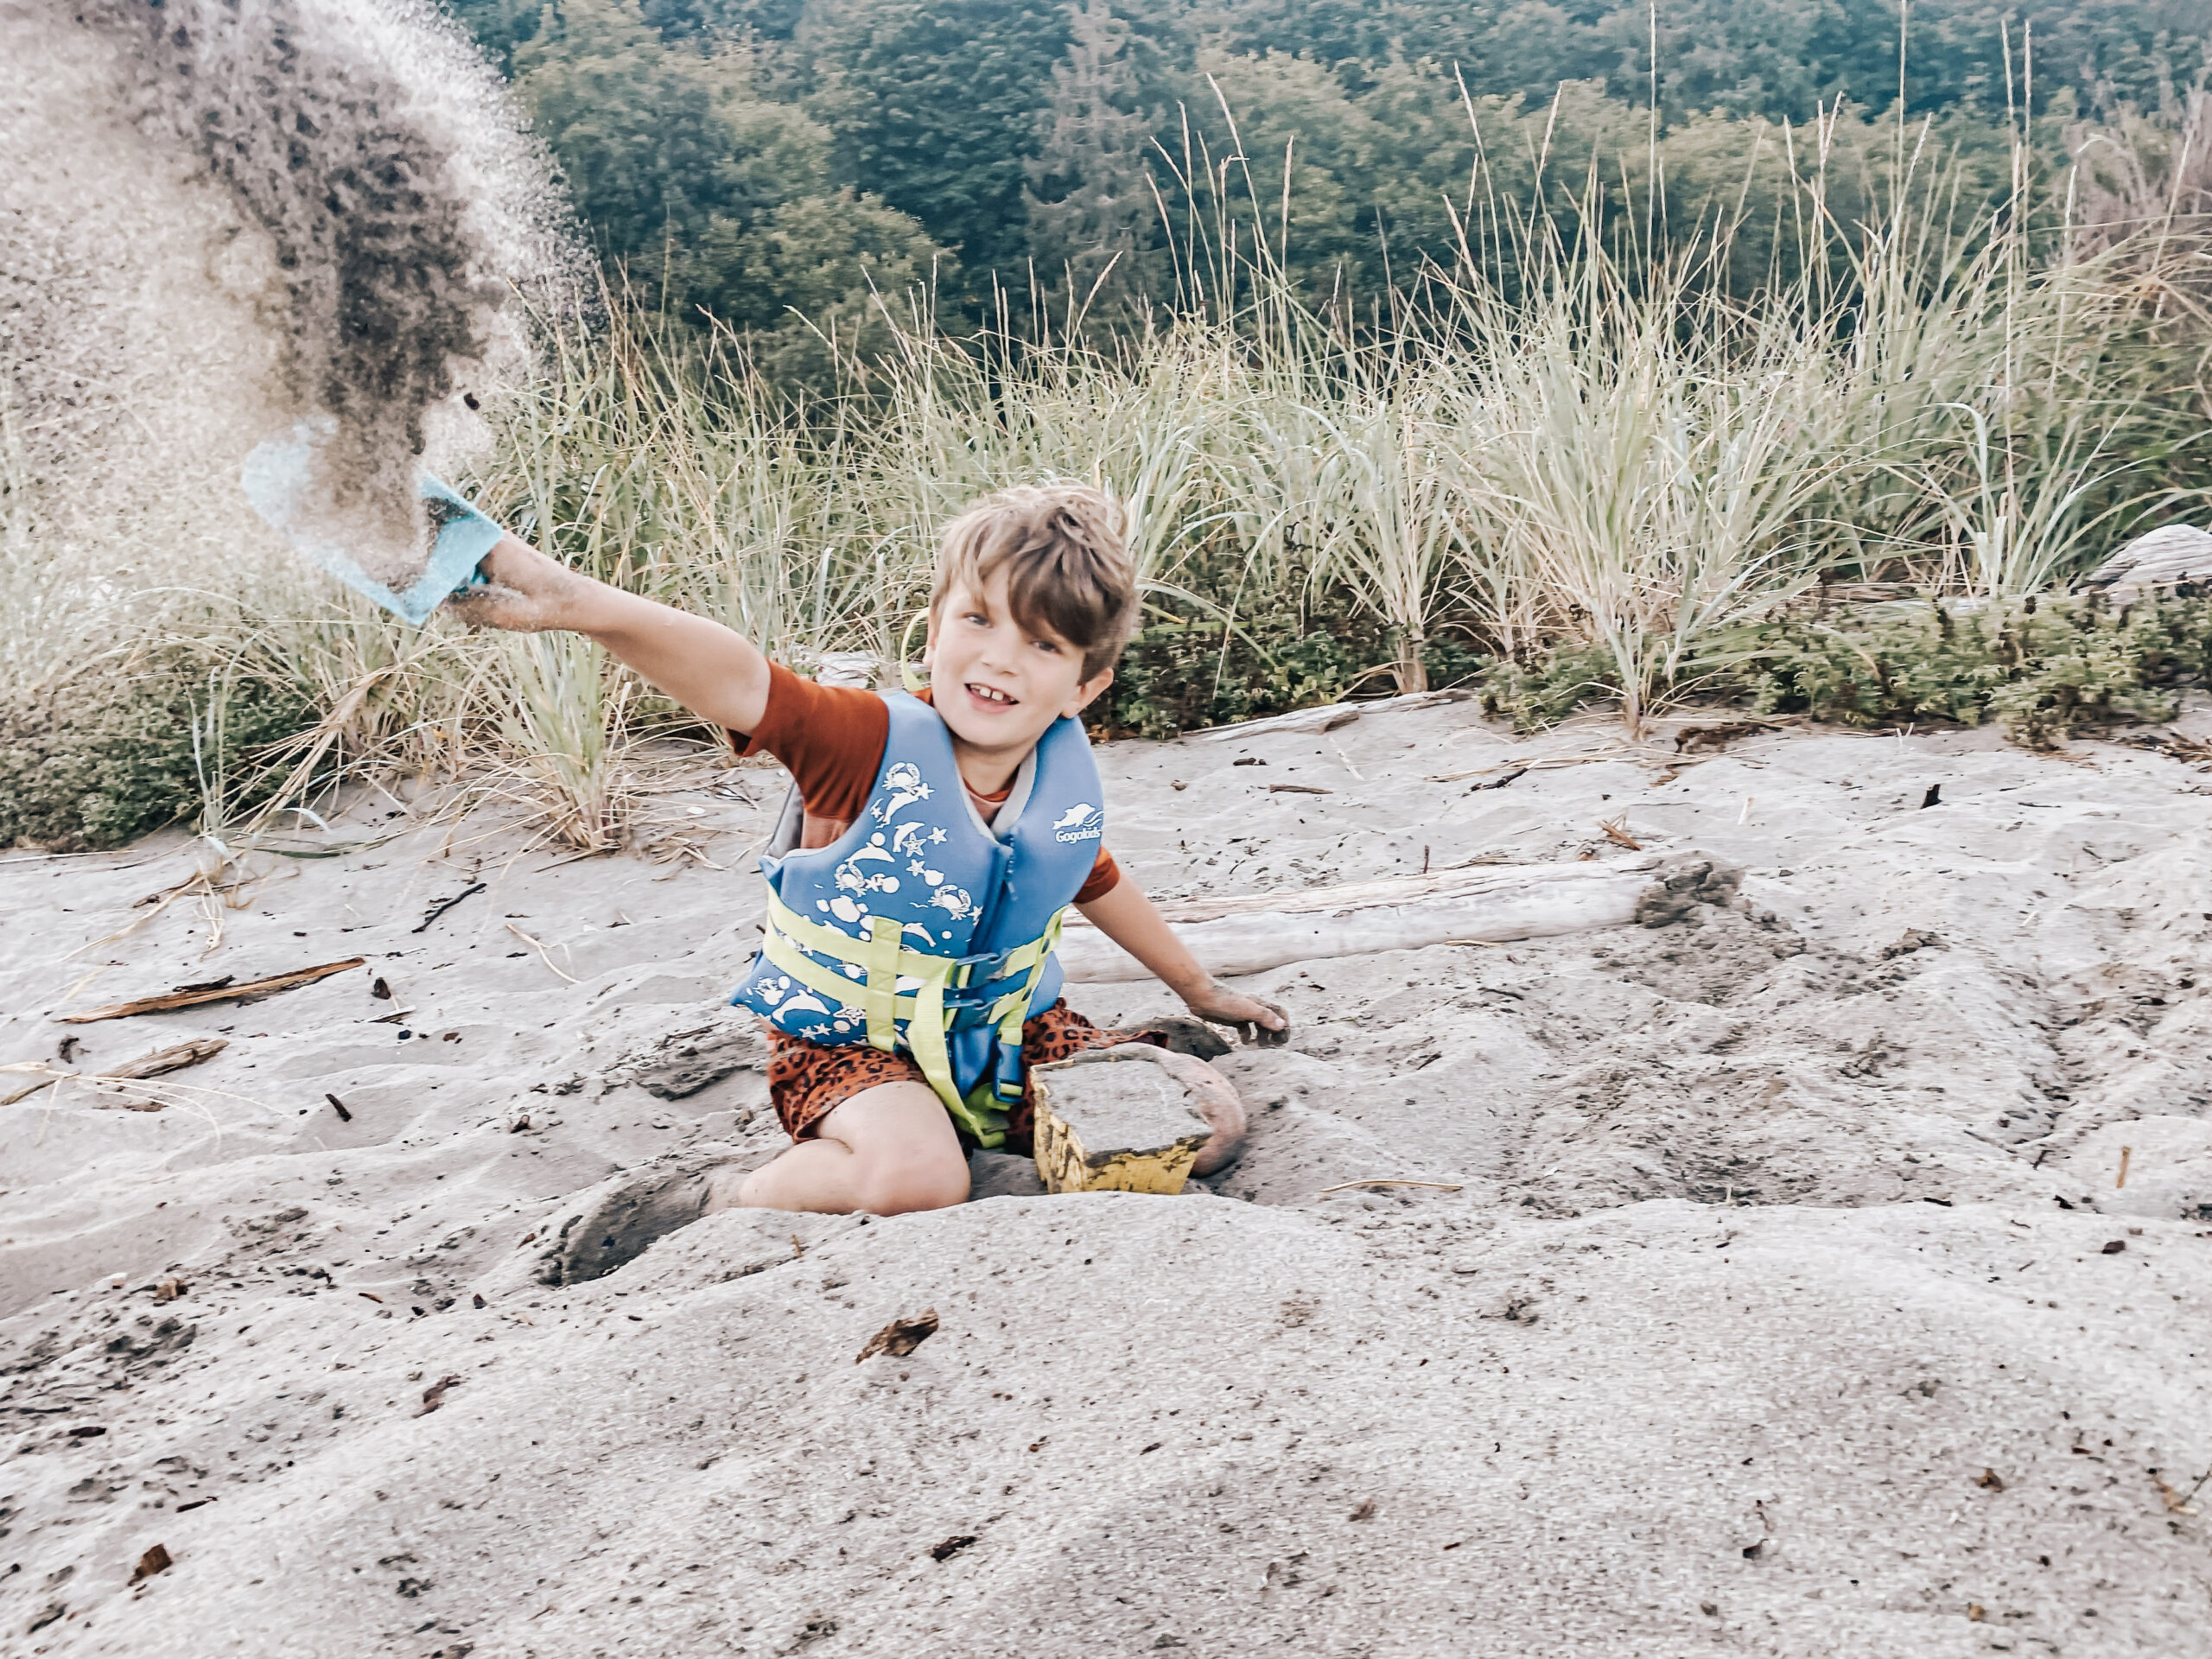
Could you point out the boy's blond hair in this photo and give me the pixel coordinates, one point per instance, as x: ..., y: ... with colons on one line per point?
x: 1068, y: 572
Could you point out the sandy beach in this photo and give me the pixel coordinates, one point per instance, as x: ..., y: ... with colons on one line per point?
x: 1767, y: 1284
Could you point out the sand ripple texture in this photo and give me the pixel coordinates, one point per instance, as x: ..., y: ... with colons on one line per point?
x: 1783, y: 1302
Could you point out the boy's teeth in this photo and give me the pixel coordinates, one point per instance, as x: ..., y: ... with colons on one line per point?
x: 985, y: 692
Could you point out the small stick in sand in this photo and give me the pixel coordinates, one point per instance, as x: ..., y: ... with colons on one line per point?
x: 1543, y: 763
x: 573, y: 858
x: 45, y: 1074
x: 445, y: 904
x: 170, y: 1059
x: 2175, y: 1501
x: 151, y: 1065
x: 540, y: 948
x: 2181, y: 1508
x: 2124, y: 1153
x: 1345, y: 1186
x: 187, y: 996
x: 1500, y: 781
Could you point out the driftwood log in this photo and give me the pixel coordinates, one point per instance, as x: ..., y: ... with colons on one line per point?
x: 2166, y: 557
x: 1488, y: 904
x: 218, y: 991
x: 1329, y: 717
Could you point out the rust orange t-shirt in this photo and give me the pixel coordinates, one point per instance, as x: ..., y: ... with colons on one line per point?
x: 832, y: 739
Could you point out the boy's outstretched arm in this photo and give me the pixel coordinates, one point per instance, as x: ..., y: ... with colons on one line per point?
x: 1124, y: 915
x: 713, y: 671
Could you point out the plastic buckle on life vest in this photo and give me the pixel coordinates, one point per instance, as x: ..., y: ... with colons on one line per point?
x: 1006, y: 1073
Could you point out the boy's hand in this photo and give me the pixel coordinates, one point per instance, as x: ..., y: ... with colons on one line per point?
x: 1124, y: 915
x: 528, y: 592
x: 1255, y: 1019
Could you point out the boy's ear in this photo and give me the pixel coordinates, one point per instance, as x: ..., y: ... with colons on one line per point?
x: 1087, y: 692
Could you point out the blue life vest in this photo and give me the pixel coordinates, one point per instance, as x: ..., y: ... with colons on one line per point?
x: 920, y: 931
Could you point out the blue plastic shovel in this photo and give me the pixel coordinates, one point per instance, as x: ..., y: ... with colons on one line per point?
x: 280, y: 472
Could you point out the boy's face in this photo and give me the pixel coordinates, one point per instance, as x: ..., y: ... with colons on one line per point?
x: 997, y: 685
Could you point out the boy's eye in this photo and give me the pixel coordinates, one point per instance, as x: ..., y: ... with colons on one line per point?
x: 1046, y: 645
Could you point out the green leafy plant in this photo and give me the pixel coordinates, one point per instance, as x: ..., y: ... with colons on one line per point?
x: 2042, y: 669
x: 98, y: 758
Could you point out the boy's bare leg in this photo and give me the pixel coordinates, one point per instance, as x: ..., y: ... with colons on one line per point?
x: 888, y: 1150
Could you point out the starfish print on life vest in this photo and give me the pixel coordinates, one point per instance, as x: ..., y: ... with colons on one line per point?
x: 908, y: 836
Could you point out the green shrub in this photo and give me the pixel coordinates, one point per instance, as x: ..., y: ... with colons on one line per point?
x: 1550, y: 686
x: 101, y: 758
x: 2042, y: 669
x: 1186, y: 670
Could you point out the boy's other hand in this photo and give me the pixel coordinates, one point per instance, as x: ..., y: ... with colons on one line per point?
x: 1254, y: 1019
x: 527, y: 592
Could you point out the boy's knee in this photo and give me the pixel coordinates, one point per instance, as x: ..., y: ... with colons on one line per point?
x: 934, y: 1184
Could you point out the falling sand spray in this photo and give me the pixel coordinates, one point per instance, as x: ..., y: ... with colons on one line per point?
x: 342, y: 232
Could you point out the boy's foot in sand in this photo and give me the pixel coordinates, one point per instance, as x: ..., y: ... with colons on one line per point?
x: 620, y: 1225
x: 723, y: 1182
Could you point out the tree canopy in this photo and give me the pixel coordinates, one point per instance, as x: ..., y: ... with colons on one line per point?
x: 775, y: 164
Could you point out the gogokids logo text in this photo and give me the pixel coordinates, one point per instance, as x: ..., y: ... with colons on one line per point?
x: 1082, y: 822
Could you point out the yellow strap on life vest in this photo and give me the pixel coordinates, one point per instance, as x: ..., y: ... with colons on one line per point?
x: 1012, y: 1009
x: 882, y: 960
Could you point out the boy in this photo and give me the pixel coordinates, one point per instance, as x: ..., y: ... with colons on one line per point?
x: 907, y: 976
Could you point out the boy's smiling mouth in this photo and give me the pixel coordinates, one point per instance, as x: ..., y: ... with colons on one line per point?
x: 988, y: 693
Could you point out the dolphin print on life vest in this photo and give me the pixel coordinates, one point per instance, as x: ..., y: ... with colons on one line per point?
x: 923, y: 932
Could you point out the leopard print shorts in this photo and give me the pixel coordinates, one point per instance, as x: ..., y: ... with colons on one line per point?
x: 807, y: 1080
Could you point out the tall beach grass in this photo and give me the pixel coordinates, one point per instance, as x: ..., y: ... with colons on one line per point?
x: 1577, y: 444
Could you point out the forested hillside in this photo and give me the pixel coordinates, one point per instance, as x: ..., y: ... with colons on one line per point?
x: 767, y: 160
